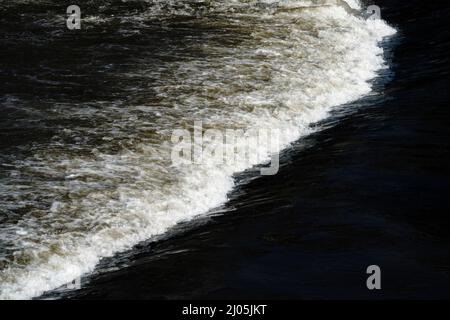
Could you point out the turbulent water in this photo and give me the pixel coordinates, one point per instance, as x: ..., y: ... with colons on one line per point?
x: 87, y: 115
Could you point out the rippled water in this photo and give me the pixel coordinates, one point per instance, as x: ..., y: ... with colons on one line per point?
x: 87, y: 115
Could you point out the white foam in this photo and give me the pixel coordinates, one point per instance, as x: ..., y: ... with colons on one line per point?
x: 115, y: 200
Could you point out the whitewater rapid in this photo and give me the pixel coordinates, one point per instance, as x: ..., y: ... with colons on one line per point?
x: 97, y: 189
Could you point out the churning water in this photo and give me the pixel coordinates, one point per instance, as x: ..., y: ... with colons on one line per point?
x: 86, y: 166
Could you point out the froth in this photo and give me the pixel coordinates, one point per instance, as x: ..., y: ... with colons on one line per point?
x: 288, y: 71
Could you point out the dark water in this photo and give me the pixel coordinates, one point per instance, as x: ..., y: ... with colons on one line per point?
x: 370, y: 188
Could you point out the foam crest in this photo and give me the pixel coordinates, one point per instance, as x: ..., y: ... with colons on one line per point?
x: 285, y: 69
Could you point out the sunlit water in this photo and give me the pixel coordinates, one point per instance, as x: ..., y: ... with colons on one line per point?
x: 88, y: 170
